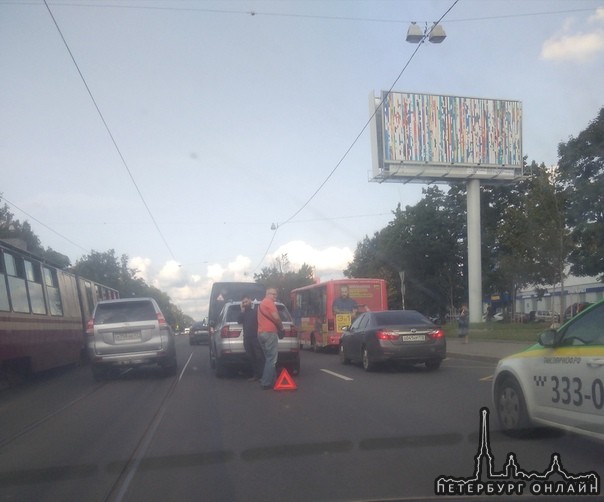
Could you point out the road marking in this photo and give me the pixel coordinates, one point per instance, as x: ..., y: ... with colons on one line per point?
x: 487, y: 379
x: 338, y: 375
x: 185, y: 367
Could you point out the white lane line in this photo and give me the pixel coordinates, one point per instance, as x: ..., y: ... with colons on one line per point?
x: 338, y: 375
x: 185, y: 367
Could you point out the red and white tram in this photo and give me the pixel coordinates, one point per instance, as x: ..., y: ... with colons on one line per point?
x: 43, y: 313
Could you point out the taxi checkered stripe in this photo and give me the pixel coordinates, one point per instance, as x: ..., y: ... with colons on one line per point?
x: 539, y: 380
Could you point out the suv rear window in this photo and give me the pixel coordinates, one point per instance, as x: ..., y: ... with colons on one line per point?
x: 233, y: 312
x: 107, y: 313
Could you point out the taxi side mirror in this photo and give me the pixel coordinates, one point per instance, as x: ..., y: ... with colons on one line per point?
x: 548, y: 338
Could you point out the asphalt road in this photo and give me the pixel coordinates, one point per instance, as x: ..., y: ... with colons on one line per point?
x: 342, y: 435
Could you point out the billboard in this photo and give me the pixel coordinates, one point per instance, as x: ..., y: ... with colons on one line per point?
x: 429, y: 138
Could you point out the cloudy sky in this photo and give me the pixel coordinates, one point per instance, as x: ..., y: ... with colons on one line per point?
x: 205, y: 138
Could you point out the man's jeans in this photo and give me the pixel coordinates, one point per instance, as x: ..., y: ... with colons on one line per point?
x: 270, y: 346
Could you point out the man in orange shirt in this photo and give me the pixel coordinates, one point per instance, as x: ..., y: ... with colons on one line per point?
x: 269, y: 324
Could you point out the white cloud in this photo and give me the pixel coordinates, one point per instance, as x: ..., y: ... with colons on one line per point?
x: 191, y: 292
x: 598, y: 17
x: 324, y: 261
x: 141, y: 265
x: 236, y: 270
x: 171, y: 274
x: 576, y: 46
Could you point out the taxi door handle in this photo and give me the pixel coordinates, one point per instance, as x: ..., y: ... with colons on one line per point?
x: 596, y: 363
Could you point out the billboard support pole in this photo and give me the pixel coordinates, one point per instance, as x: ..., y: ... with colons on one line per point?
x: 474, y: 252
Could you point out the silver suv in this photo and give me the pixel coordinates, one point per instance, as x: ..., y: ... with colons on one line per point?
x: 226, y: 342
x: 129, y: 332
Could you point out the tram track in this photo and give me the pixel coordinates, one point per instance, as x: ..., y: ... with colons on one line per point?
x: 32, y: 426
x: 120, y: 488
x: 115, y: 476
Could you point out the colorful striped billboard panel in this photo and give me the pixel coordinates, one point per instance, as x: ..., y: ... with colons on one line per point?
x: 451, y: 130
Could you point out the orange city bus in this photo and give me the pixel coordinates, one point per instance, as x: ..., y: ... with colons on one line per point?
x: 321, y: 310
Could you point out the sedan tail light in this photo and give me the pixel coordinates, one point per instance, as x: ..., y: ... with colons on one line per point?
x: 386, y: 335
x: 437, y: 334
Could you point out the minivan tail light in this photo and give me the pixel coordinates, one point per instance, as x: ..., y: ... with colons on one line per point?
x: 386, y: 335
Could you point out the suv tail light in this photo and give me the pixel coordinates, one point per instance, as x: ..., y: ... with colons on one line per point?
x: 90, y: 327
x: 437, y: 334
x: 162, y: 320
x: 227, y: 332
x: 386, y: 335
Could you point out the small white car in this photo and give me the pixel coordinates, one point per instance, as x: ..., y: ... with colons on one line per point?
x: 558, y: 382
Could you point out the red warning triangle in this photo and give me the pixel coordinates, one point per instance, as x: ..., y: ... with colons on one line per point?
x: 285, y: 382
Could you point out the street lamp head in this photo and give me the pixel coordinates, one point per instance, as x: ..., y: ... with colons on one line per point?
x: 414, y: 33
x: 437, y: 34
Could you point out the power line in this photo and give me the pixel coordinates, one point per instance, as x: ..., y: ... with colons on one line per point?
x: 117, y: 148
x: 43, y: 224
x: 356, y: 139
x: 255, y: 13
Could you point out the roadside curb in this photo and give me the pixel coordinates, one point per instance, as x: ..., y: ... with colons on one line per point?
x: 473, y: 357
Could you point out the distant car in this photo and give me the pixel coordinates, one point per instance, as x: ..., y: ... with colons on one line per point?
x: 497, y: 317
x: 226, y: 342
x: 404, y: 336
x: 199, y: 333
x: 544, y: 316
x: 559, y: 382
x: 127, y: 333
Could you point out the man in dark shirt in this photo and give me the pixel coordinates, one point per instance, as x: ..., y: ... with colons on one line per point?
x: 248, y: 318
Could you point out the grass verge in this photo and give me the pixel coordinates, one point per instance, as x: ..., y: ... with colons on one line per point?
x: 500, y: 331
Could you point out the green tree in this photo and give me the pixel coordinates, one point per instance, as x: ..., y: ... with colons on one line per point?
x: 281, y: 276
x: 11, y: 229
x: 425, y: 243
x: 581, y: 181
x: 103, y: 268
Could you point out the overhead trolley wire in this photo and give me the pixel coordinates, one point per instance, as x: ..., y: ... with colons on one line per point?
x: 357, y: 137
x: 107, y: 128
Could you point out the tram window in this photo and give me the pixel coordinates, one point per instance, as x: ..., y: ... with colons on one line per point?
x: 52, y: 288
x: 16, y: 283
x: 34, y: 286
x: 4, y: 304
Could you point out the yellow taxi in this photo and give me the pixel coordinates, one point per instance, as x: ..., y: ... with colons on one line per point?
x: 558, y: 382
